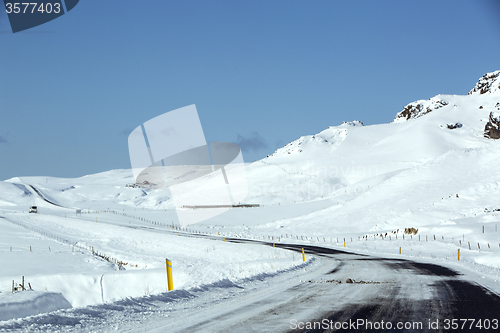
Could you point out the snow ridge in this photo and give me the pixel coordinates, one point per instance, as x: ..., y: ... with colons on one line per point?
x: 332, y: 137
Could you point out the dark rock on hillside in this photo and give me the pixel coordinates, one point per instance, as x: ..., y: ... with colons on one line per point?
x: 492, y: 128
x: 453, y: 126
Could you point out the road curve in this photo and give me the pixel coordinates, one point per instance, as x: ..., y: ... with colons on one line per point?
x: 40, y: 194
x: 414, y: 297
x: 386, y: 295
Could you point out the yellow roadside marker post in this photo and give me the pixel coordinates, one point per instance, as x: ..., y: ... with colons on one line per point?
x: 303, y: 255
x: 458, y: 254
x: 170, y: 280
x: 399, y: 250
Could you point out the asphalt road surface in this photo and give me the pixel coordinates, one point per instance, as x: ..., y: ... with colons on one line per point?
x: 385, y: 295
x: 413, y: 296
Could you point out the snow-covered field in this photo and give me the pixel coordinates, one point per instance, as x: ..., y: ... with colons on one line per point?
x: 351, y: 186
x: 54, y: 253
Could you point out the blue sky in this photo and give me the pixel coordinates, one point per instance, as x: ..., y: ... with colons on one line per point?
x: 261, y: 73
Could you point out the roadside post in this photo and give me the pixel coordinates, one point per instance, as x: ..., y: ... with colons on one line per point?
x: 170, y: 281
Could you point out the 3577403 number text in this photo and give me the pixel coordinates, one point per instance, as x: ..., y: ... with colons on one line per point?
x: 32, y: 7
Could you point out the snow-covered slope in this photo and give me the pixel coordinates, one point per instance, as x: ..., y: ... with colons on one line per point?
x: 320, y: 165
x: 375, y: 174
x: 325, y: 165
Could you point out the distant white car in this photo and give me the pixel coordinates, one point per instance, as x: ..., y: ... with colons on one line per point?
x: 34, y: 209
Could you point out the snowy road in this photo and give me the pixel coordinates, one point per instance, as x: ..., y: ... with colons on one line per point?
x: 389, y: 293
x: 401, y: 294
x: 384, y: 292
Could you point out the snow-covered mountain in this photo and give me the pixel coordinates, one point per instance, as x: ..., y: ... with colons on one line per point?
x: 377, y: 174
x: 369, y: 174
x: 469, y: 113
x: 420, y: 133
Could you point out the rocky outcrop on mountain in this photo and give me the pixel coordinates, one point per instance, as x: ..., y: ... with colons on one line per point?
x: 352, y: 123
x: 489, y: 83
x: 492, y: 128
x: 419, y: 108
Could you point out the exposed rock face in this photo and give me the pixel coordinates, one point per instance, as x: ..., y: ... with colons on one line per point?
x: 489, y: 83
x: 492, y: 128
x: 419, y: 108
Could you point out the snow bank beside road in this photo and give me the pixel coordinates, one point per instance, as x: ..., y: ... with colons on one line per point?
x: 85, y: 279
x: 30, y: 303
